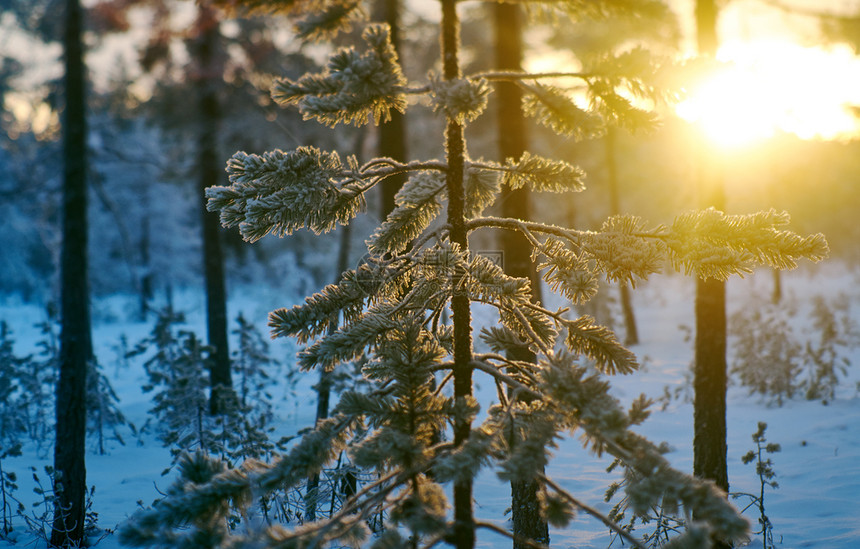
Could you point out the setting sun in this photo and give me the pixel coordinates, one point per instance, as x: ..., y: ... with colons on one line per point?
x: 773, y: 86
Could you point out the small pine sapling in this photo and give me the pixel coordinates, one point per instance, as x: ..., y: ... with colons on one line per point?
x: 766, y: 354
x: 38, y: 383
x: 182, y: 403
x: 9, y: 505
x: 766, y: 475
x: 828, y: 358
x: 178, y: 376
x: 12, y: 369
x: 656, y: 528
x: 245, y: 426
x: 251, y: 365
x: 775, y: 359
x: 40, y: 519
x: 104, y: 418
x: 121, y: 352
x: 46, y: 506
x: 418, y: 270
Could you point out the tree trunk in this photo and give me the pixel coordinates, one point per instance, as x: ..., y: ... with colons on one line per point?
x: 710, y: 378
x: 709, y: 443
x: 516, y: 250
x: 392, y: 134
x: 210, y: 169
x: 146, y: 277
x: 631, y: 332
x: 776, y: 294
x: 324, y: 386
x: 75, y: 337
x: 455, y: 147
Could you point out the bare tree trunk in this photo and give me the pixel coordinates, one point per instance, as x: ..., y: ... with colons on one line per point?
x: 75, y: 337
x: 392, y: 134
x: 710, y: 378
x: 455, y: 146
x: 631, y: 335
x: 324, y: 386
x: 210, y: 170
x: 516, y: 250
x: 776, y: 295
x: 147, y: 275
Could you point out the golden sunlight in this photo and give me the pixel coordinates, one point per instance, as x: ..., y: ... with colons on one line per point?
x: 772, y: 86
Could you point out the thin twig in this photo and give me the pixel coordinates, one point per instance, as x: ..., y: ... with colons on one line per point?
x: 591, y: 511
x: 524, y: 226
x: 500, y: 376
x: 508, y: 76
x: 516, y: 537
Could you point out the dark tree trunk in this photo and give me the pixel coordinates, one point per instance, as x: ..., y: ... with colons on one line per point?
x: 392, y: 134
x: 324, y: 387
x: 709, y: 405
x: 75, y: 337
x: 631, y: 335
x: 706, y: 27
x: 463, y: 536
x: 776, y: 295
x: 210, y: 170
x: 146, y: 279
x: 516, y: 250
x: 709, y: 444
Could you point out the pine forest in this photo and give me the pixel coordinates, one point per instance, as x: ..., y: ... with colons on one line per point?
x: 429, y: 273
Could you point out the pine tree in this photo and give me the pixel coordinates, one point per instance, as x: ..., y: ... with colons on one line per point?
x: 392, y: 306
x: 710, y: 379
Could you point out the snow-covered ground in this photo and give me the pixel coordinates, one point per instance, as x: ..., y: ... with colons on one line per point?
x: 818, y: 469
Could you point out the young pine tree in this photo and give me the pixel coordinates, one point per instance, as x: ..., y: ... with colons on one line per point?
x: 177, y: 375
x: 104, y: 418
x: 36, y: 400
x: 393, y: 309
x: 12, y: 368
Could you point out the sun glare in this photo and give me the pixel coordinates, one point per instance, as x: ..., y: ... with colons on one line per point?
x: 766, y: 87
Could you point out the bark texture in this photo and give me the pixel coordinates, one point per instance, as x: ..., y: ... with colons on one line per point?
x: 75, y: 335
x: 631, y: 331
x: 463, y: 535
x: 210, y: 172
x: 516, y: 250
x: 709, y: 385
x: 392, y: 134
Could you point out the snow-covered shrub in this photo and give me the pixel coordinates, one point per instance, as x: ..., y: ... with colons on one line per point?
x: 783, y: 350
x: 826, y: 358
x: 27, y: 388
x: 176, y: 365
x: 767, y: 355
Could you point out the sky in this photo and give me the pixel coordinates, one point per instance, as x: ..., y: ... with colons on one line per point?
x: 783, y: 78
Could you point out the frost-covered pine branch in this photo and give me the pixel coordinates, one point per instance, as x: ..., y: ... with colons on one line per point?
x: 391, y: 308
